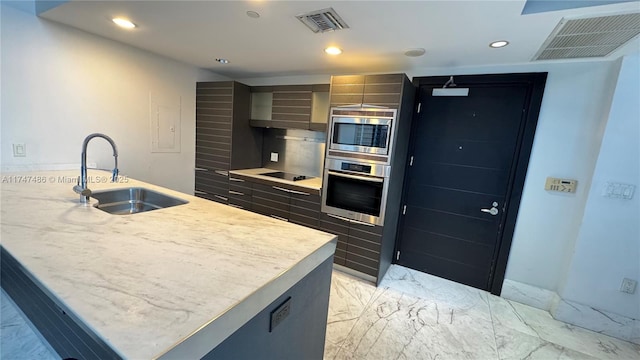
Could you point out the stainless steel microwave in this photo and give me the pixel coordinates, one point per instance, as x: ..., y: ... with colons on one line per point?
x: 361, y: 131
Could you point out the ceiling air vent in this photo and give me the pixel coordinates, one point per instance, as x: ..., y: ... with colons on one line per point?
x: 323, y: 20
x: 589, y: 37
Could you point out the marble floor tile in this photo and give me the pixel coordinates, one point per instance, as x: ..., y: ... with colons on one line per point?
x: 17, y: 339
x: 398, y: 325
x: 572, y: 337
x: 514, y: 345
x: 348, y: 299
x: 441, y: 291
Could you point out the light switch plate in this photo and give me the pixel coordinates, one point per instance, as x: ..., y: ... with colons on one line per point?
x: 19, y: 150
x: 274, y: 157
x: 619, y: 191
x: 561, y: 185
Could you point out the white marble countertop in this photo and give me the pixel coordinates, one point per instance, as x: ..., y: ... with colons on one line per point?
x: 311, y: 183
x: 147, y: 282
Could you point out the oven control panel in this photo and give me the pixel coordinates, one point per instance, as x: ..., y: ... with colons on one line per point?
x: 356, y: 167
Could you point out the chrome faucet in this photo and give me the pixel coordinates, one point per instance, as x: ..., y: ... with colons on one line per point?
x: 81, y: 187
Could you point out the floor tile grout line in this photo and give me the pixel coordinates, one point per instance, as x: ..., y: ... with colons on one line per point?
x: 493, y: 327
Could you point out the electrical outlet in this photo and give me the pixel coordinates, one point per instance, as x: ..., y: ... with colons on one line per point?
x: 274, y: 157
x: 280, y: 313
x: 628, y: 286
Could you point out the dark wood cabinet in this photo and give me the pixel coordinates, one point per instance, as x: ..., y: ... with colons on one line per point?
x: 378, y: 90
x: 371, y: 249
x: 358, y: 245
x: 271, y: 201
x: 304, y: 208
x: 292, y: 107
x: 240, y: 193
x: 224, y: 138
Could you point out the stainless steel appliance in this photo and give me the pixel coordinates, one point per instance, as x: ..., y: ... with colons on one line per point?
x: 365, y: 133
x: 355, y: 191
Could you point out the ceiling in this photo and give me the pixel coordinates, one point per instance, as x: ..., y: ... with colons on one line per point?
x: 453, y: 33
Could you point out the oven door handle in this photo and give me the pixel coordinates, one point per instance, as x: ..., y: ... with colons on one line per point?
x: 350, y: 220
x: 356, y: 177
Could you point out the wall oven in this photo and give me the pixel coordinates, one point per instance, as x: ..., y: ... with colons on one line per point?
x: 365, y: 133
x: 355, y: 190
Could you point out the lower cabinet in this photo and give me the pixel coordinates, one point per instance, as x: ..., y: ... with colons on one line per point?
x: 358, y: 246
x: 271, y: 201
x: 212, y: 184
x: 240, y: 193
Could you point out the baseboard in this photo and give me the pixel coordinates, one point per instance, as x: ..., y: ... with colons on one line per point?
x: 355, y: 273
x: 529, y: 295
x: 604, y: 322
x: 601, y: 321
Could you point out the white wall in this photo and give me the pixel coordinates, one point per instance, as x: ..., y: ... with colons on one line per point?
x: 608, y: 245
x: 572, y: 118
x: 59, y: 84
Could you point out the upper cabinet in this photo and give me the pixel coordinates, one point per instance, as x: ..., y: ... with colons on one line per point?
x: 362, y: 90
x: 224, y: 139
x: 290, y: 106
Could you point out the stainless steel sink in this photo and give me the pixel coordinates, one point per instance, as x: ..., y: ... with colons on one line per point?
x: 133, y: 200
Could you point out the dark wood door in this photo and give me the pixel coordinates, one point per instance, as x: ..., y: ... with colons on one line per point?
x: 465, y: 153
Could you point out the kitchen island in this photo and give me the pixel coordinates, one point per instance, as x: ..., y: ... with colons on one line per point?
x: 186, y: 282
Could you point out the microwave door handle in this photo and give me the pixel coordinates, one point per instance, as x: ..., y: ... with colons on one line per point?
x: 356, y: 177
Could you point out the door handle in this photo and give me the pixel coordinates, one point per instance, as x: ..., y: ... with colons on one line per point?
x: 493, y: 211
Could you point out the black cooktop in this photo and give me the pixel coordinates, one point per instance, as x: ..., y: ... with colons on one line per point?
x: 285, y: 175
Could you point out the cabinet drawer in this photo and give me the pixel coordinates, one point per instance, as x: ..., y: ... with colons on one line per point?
x: 334, y: 226
x: 212, y: 195
x: 359, y: 228
x: 240, y: 186
x: 270, y: 211
x: 353, y: 263
x: 240, y: 202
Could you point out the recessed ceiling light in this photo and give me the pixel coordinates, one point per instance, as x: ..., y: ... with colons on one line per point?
x: 499, y: 44
x: 414, y: 52
x: 222, y: 61
x: 332, y: 50
x: 124, y: 23
x: 253, y: 14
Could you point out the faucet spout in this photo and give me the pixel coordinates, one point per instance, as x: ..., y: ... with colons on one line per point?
x: 81, y: 187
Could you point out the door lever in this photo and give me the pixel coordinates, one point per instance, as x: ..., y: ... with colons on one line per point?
x: 493, y: 211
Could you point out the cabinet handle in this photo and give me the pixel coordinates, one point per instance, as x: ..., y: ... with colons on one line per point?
x: 236, y: 206
x: 235, y: 179
x: 279, y: 218
x: 281, y: 189
x: 199, y: 192
x: 201, y: 169
x: 235, y: 192
x: 222, y: 172
x: 221, y: 197
x: 299, y: 192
